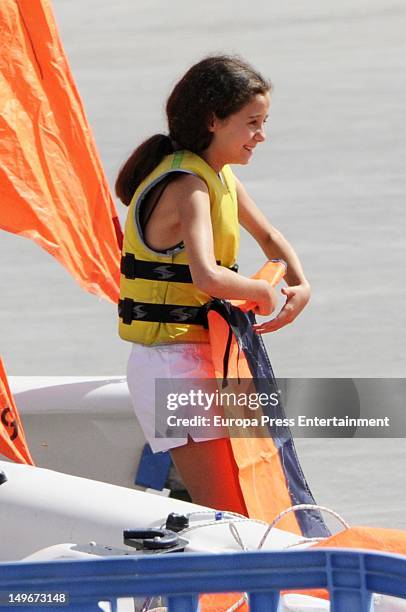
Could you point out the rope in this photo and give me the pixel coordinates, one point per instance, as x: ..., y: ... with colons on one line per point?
x: 294, y: 509
x: 221, y: 522
x: 231, y: 518
x: 239, y: 603
x: 236, y: 535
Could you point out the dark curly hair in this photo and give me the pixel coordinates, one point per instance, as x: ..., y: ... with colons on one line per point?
x: 216, y: 86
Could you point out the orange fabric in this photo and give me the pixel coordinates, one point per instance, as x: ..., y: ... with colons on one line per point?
x: 220, y: 602
x: 52, y: 186
x: 367, y: 538
x: 361, y: 538
x: 261, y: 477
x: 12, y: 439
x: 195, y: 460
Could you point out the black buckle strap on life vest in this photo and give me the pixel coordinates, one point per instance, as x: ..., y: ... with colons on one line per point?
x: 151, y: 270
x: 133, y: 268
x: 130, y: 311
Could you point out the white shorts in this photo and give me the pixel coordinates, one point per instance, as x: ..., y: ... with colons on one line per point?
x: 169, y: 361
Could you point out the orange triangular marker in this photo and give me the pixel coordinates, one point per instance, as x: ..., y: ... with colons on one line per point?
x: 52, y: 187
x: 12, y: 439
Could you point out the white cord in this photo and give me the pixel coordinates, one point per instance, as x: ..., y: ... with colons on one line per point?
x: 221, y: 522
x: 231, y: 518
x: 299, y: 507
x: 304, y: 541
x: 236, y: 535
x: 218, y: 516
x: 225, y: 513
x: 238, y: 603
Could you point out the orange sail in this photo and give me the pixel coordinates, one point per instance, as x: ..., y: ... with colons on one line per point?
x: 12, y: 438
x: 269, y: 474
x: 52, y: 186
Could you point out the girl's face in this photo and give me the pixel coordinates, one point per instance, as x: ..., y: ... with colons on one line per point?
x: 235, y: 138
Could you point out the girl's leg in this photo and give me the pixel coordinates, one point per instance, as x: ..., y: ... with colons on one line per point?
x: 210, y: 474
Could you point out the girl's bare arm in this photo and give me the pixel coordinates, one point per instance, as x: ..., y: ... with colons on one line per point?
x: 193, y: 204
x: 275, y: 246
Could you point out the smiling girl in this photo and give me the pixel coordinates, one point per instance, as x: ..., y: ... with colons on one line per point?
x: 181, y: 246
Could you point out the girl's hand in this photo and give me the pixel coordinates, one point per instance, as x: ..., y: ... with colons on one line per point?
x: 296, y: 299
x: 268, y: 303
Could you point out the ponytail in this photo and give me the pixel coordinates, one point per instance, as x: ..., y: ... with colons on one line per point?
x: 141, y: 163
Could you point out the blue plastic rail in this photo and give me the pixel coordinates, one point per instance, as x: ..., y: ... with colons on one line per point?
x: 350, y: 577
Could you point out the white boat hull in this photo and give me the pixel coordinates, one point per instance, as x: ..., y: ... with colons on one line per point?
x: 83, y: 426
x: 42, y: 508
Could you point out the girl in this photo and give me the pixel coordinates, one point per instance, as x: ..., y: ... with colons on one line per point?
x: 181, y: 245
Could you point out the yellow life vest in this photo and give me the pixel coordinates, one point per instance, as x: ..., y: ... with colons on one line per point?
x: 158, y: 301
